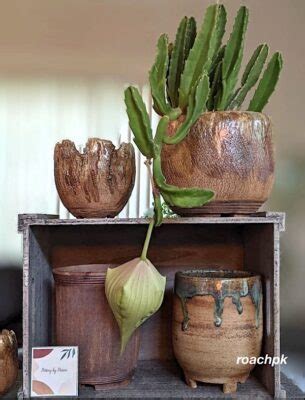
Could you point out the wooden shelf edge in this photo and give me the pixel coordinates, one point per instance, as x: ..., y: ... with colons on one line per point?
x: 25, y: 220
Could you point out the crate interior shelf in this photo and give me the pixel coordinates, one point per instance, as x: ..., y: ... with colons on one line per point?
x: 249, y: 242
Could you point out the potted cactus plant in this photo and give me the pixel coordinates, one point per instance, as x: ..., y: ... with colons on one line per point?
x: 208, y: 141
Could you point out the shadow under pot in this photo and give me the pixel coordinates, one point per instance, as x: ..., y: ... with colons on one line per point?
x: 96, y: 183
x: 83, y: 318
x: 229, y: 152
x: 217, y: 317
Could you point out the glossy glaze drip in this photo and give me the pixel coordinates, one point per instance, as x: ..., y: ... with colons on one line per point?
x: 219, y: 288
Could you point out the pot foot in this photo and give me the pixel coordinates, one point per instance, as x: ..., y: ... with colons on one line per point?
x: 224, y: 208
x: 229, y: 387
x: 190, y: 382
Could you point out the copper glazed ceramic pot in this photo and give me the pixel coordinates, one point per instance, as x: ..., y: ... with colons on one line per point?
x: 96, y: 183
x: 217, y: 317
x: 83, y: 318
x: 8, y: 360
x: 229, y: 152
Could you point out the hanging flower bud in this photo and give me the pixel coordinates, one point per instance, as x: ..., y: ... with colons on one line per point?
x: 134, y: 291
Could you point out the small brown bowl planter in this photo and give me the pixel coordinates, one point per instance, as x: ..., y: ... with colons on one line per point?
x: 217, y: 317
x: 83, y: 318
x: 230, y: 152
x: 96, y: 183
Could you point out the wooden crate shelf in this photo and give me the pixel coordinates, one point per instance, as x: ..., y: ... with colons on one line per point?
x: 249, y: 242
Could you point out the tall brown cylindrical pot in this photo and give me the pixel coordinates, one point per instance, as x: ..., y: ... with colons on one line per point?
x: 217, y: 317
x: 229, y: 152
x: 83, y: 318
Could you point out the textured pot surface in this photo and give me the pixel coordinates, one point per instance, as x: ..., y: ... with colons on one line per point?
x: 229, y: 152
x: 8, y: 360
x: 96, y: 183
x: 83, y: 318
x: 217, y: 317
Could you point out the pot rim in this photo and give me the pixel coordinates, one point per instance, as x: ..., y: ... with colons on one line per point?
x: 85, y: 150
x: 235, y: 112
x: 83, y: 273
x: 215, y: 274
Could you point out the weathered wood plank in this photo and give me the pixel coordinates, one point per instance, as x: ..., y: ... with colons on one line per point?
x: 26, y: 219
x: 37, y: 298
x: 262, y: 256
x: 292, y: 391
x: 43, y: 219
x: 164, y: 380
x: 26, y: 314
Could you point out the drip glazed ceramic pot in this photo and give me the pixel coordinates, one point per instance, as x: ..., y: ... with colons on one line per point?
x: 83, y: 318
x: 8, y: 360
x: 217, y: 317
x: 229, y: 152
x: 96, y: 183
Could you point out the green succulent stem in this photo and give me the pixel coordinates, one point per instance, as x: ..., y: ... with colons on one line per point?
x: 147, y: 240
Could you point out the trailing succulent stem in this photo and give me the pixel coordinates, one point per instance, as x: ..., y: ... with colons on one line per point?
x: 172, y: 195
x: 147, y: 241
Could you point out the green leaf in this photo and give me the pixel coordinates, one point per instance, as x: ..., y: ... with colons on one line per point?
x: 196, y: 106
x: 184, y: 40
x: 205, y: 47
x: 267, y: 84
x: 157, y: 77
x: 250, y: 76
x: 139, y: 121
x: 233, y: 57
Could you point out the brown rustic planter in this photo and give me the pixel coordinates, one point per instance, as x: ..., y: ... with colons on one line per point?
x: 8, y: 360
x: 96, y: 183
x: 229, y: 152
x: 83, y: 318
x: 217, y: 317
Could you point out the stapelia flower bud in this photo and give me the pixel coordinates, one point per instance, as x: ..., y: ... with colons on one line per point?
x: 134, y: 291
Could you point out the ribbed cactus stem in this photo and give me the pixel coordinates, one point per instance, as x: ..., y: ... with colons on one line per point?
x: 233, y: 57
x: 205, y: 48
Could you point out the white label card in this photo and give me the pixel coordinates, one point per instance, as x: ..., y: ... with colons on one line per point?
x: 54, y: 371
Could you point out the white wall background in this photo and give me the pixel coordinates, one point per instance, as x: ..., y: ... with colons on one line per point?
x: 34, y: 115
